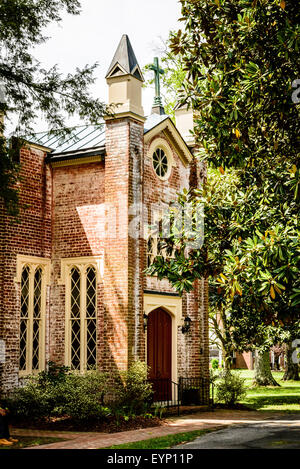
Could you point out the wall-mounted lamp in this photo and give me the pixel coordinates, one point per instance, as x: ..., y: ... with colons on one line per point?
x: 145, y: 317
x: 186, y: 325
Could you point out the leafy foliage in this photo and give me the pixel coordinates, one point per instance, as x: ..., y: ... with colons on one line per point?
x: 215, y: 363
x: 132, y: 391
x: 241, y: 59
x: 230, y: 388
x: 82, y: 397
x: 27, y: 90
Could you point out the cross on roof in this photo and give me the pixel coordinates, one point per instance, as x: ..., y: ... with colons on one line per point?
x: 157, y: 72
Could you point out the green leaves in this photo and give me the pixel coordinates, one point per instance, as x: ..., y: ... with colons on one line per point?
x: 241, y: 58
x: 30, y: 90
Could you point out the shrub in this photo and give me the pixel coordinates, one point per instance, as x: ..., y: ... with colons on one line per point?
x: 132, y: 390
x: 84, y: 396
x: 215, y: 363
x: 230, y: 388
x: 54, y: 374
x: 59, y: 392
x: 30, y: 401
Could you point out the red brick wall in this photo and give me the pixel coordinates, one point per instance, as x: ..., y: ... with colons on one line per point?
x: 193, y: 349
x: 31, y: 236
x: 122, y: 269
x: 78, y: 230
x: 83, y: 210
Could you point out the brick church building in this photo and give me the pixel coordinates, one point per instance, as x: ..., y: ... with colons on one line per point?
x: 72, y: 281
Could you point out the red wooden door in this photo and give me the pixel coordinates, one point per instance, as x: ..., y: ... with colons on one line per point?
x: 159, y: 353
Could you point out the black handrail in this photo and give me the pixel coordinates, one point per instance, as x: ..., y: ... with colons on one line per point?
x: 195, y: 391
x: 166, y: 392
x: 187, y: 392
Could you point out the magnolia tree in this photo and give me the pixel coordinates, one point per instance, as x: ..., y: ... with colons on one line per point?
x: 241, y: 65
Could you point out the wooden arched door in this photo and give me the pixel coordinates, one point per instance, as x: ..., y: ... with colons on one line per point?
x: 159, y: 352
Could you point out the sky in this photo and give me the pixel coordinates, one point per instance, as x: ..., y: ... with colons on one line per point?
x: 94, y: 35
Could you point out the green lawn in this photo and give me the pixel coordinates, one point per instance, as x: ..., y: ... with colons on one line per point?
x: 285, y: 397
x: 163, y: 442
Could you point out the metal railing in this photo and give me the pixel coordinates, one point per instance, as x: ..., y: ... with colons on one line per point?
x: 187, y: 392
x: 166, y: 392
x: 195, y: 391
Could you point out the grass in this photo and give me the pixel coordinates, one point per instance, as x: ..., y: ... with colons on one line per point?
x: 25, y: 441
x: 163, y: 442
x: 283, y: 398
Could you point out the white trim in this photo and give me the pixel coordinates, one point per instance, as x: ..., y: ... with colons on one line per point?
x: 81, y: 263
x: 163, y: 144
x: 168, y: 127
x: 33, y: 262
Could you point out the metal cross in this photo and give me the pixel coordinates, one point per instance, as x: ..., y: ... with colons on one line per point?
x: 157, y: 72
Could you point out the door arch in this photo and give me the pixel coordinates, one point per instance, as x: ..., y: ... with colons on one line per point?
x: 159, y: 352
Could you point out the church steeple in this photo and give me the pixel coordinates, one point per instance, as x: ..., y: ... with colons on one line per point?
x: 124, y: 79
x: 124, y: 61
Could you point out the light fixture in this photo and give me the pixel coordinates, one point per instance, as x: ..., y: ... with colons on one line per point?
x: 186, y: 325
x: 145, y: 317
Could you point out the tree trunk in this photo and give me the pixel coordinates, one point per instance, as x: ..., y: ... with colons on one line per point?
x: 262, y: 370
x: 291, y: 369
x: 226, y: 359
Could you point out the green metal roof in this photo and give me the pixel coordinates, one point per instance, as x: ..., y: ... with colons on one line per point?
x: 83, y: 140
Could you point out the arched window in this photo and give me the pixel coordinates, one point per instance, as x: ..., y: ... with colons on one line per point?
x: 90, y: 318
x: 37, y: 318
x: 31, y: 344
x: 75, y: 319
x: 82, y: 329
x: 24, y: 318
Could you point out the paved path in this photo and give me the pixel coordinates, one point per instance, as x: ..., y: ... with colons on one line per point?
x: 197, y: 421
x: 278, y: 433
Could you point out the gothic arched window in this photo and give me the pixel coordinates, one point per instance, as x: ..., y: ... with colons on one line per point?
x: 82, y: 321
x: 31, y: 343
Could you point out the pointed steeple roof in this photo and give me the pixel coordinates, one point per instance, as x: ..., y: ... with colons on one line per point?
x: 124, y: 61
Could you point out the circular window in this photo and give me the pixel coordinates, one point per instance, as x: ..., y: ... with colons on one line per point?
x: 160, y: 163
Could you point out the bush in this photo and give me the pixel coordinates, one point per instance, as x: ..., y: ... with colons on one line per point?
x: 31, y: 401
x: 133, y: 392
x: 230, y: 388
x: 58, y: 392
x: 82, y: 397
x: 54, y: 374
x: 214, y: 363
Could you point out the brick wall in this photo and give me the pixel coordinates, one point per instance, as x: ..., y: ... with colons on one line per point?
x: 193, y: 348
x: 30, y: 236
x: 122, y: 269
x: 78, y: 231
x: 91, y: 210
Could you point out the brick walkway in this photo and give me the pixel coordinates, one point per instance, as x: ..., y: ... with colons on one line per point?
x: 197, y: 421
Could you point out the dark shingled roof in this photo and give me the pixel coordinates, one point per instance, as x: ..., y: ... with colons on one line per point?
x: 124, y: 61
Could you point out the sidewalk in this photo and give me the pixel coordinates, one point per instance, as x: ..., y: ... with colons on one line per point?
x: 197, y: 421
